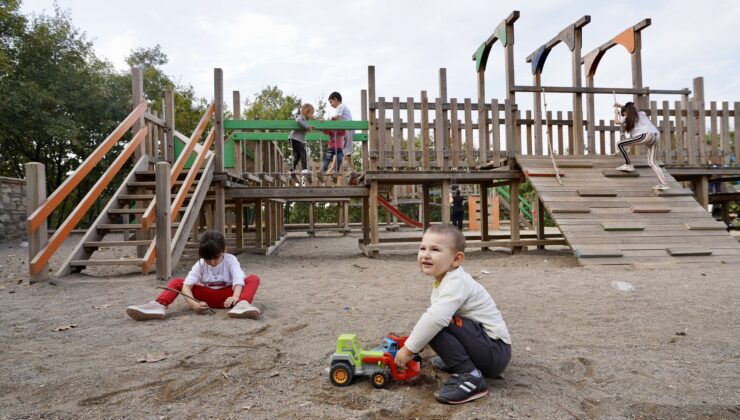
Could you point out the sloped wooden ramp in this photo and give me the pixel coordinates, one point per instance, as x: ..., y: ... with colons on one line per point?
x: 610, y: 217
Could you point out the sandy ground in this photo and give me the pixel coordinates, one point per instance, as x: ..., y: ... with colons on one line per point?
x: 582, y: 349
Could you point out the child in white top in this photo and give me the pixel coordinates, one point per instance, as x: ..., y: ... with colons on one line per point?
x: 215, y: 281
x: 342, y: 112
x: 641, y: 131
x: 462, y: 325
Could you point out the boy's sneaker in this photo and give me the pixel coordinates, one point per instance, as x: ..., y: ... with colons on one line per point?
x: 626, y: 168
x: 149, y: 310
x: 305, y: 171
x: 461, y: 388
x: 661, y: 187
x: 439, y: 365
x: 244, y: 309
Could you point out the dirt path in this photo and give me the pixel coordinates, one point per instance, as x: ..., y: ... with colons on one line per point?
x: 581, y: 348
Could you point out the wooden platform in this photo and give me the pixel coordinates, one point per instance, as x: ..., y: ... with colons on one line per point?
x: 621, y: 220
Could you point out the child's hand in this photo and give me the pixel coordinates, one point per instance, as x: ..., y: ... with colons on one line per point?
x: 199, y: 307
x: 403, y: 356
x: 230, y: 301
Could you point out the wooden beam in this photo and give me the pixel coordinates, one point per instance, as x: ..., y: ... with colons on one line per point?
x: 218, y: 125
x: 35, y: 197
x: 163, y: 220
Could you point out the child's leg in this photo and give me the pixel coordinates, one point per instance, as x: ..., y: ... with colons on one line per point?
x: 251, y: 283
x: 629, y: 142
x: 296, y: 153
x: 329, y: 156
x: 340, y: 155
x: 304, y: 156
x: 215, y: 298
x: 464, y: 346
x: 652, y: 151
x: 167, y: 297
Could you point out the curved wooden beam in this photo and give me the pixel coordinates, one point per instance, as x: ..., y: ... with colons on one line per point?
x: 480, y: 56
x: 567, y: 36
x: 625, y: 38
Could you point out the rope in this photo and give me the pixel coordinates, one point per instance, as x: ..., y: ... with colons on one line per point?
x: 549, y: 140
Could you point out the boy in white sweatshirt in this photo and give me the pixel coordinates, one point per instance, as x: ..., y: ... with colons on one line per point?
x: 462, y: 325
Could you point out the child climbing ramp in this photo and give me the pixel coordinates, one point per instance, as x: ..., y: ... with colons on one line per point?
x: 641, y: 131
x: 215, y: 281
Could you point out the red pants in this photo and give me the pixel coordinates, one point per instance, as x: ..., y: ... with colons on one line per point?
x: 213, y: 297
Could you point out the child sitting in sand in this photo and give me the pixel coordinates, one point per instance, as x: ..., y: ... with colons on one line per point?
x: 216, y: 281
x: 462, y: 325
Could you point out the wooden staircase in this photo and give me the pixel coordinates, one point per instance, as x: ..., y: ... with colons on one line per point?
x: 120, y: 223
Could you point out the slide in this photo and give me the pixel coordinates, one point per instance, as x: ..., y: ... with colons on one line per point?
x: 396, y: 212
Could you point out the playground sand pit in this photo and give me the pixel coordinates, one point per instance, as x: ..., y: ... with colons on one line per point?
x: 582, y: 348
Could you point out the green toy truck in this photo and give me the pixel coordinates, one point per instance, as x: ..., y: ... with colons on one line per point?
x: 350, y: 360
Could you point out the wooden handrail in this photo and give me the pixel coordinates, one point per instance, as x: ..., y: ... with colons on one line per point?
x: 42, y: 213
x: 151, y: 253
x: 148, y: 217
x: 40, y: 260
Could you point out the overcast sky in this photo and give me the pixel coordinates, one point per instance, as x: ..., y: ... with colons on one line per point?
x: 310, y: 49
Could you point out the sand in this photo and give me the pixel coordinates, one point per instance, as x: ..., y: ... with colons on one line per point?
x: 582, y: 349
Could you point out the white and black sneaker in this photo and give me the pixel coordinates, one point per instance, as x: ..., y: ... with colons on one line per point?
x: 461, y: 388
x: 149, y: 310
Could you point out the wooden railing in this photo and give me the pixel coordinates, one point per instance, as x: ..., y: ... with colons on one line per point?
x: 148, y: 217
x: 42, y: 213
x: 151, y: 253
x: 431, y: 134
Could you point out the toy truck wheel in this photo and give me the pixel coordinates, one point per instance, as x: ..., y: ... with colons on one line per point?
x: 341, y: 374
x: 379, y: 379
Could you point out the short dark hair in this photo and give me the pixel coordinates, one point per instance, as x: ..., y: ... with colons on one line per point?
x: 212, y: 245
x: 336, y: 95
x: 457, y: 237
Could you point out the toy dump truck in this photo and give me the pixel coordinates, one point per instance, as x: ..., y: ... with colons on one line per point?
x: 350, y: 360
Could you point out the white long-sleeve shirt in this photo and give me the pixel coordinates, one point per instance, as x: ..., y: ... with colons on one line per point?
x: 458, y: 294
x: 344, y: 114
x: 642, y: 126
x: 227, y: 273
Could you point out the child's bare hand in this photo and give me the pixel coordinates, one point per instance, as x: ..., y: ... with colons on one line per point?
x: 199, y: 307
x: 403, y: 356
x: 230, y: 301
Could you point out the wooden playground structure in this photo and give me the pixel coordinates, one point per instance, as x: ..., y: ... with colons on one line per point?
x: 234, y: 178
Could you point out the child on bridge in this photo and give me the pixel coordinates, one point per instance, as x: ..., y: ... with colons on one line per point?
x: 462, y: 325
x: 641, y: 131
x: 216, y: 280
x: 298, y: 138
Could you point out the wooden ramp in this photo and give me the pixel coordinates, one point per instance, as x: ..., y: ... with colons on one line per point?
x: 610, y: 217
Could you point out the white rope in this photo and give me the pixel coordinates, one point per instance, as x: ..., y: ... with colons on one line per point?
x: 549, y: 140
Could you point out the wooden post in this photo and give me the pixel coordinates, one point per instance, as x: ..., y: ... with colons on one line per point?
x: 510, y: 119
x: 137, y: 97
x: 445, y: 140
x: 483, y: 143
x: 445, y: 201
x: 700, y: 119
x: 537, y: 115
x: 540, y: 221
x: 372, y: 122
x: 311, y: 219
x: 218, y: 98
x: 258, y: 223
x: 514, y: 213
x: 373, y: 213
x: 577, y: 140
x: 238, y: 155
x: 591, y: 119
x: 484, y: 235
x: 363, y: 103
x: 427, y: 208
x: 169, y: 121
x: 345, y: 211
x: 35, y: 197
x: 636, y: 57
x: 239, y: 212
x: 163, y: 220
x: 701, y: 191
x: 365, y: 220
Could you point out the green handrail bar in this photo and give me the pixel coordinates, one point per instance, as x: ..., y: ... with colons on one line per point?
x: 283, y: 136
x: 292, y: 125
x: 524, y: 206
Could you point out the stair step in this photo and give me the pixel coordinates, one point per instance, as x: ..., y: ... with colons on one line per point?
x: 613, y: 173
x: 129, y: 226
x: 584, y: 192
x: 571, y: 210
x: 98, y: 244
x: 650, y: 209
x: 706, y: 226
x: 676, y: 192
x: 92, y: 263
x: 150, y: 172
x: 135, y: 210
x: 153, y: 184
x: 131, y: 197
x: 543, y: 173
x: 689, y: 252
x: 598, y: 253
x: 622, y: 227
x: 575, y: 165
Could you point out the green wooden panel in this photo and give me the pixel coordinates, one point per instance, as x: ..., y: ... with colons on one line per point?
x: 228, y: 153
x: 292, y: 125
x: 179, y: 146
x: 283, y: 136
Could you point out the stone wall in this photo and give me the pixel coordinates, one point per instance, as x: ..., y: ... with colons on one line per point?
x: 12, y: 209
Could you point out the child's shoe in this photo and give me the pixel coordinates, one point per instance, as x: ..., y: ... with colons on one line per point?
x: 461, y: 388
x: 661, y: 187
x: 304, y: 172
x: 626, y: 168
x: 244, y: 309
x: 149, y: 310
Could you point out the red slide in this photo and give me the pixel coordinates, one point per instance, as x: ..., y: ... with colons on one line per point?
x: 396, y: 212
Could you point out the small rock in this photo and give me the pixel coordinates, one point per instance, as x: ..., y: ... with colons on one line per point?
x: 274, y: 374
x: 680, y: 333
x: 528, y: 348
x: 65, y: 327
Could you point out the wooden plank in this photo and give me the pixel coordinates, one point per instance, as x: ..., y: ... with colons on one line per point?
x: 688, y: 251
x: 35, y: 197
x: 410, y: 134
x: 455, y: 139
x: 541, y: 173
x: 650, y: 209
x: 381, y: 134
x: 561, y: 151
x: 725, y: 151
x: 675, y: 192
x: 163, y: 239
x: 495, y: 154
x: 681, y: 145
x: 397, y: 135
x: 622, y: 227
x: 100, y: 244
x: 106, y: 263
x: 691, y: 139
x: 439, y: 134
x: 583, y: 192
x: 709, y: 225
x: 737, y: 124
x: 561, y: 210
x: 425, y: 164
x: 614, y: 173
x: 597, y: 253
x: 469, y: 160
x: 713, y: 136
x: 575, y: 165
